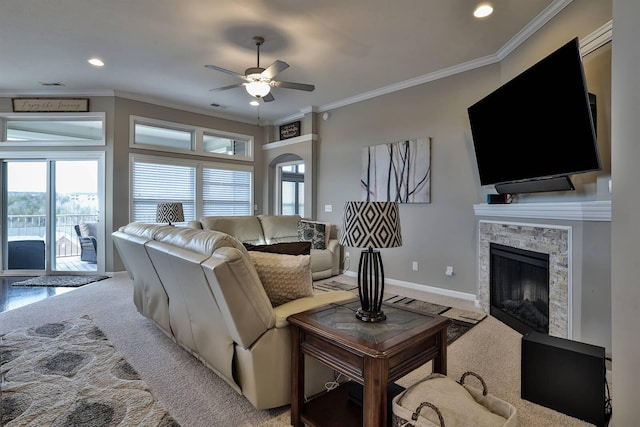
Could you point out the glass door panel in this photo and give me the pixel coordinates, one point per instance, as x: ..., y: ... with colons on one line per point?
x: 26, y: 207
x: 76, y: 215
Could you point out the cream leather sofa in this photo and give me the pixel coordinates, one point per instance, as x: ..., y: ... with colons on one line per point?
x: 201, y: 289
x: 268, y: 229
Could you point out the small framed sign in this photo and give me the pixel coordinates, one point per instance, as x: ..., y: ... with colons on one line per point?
x: 290, y: 130
x: 50, y: 105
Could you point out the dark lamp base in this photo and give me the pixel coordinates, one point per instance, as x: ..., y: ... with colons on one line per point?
x: 370, y: 316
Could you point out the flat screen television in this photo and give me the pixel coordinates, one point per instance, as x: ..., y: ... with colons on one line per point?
x: 537, y: 126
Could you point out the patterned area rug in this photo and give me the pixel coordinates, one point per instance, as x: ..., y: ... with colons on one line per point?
x: 69, y: 374
x: 461, y: 320
x: 60, y: 281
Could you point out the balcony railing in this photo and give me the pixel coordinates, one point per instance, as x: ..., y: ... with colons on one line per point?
x: 67, y: 243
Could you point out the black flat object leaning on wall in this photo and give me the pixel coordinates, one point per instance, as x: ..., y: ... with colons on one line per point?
x: 565, y: 375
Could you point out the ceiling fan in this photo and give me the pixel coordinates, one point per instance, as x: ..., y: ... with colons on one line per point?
x: 258, y: 81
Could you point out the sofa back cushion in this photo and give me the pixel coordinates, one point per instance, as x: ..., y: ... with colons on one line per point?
x: 279, y: 228
x: 244, y: 228
x: 203, y: 242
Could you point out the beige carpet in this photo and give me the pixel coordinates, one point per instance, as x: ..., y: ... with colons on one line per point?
x: 68, y: 374
x: 196, y: 397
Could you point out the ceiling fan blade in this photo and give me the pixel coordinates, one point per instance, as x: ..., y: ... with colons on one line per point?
x: 268, y: 97
x: 224, y: 70
x: 291, y: 85
x: 275, y: 68
x: 218, y: 89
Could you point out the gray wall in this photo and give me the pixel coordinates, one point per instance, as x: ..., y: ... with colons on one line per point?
x: 625, y: 232
x: 437, y: 234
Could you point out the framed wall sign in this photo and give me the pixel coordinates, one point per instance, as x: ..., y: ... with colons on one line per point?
x: 290, y: 130
x: 50, y: 105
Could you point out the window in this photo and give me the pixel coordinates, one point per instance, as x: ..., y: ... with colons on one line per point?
x: 226, y: 192
x: 153, y: 183
x: 222, y: 189
x: 292, y: 189
x: 163, y: 137
x: 55, y: 129
x: 150, y: 134
x: 230, y: 145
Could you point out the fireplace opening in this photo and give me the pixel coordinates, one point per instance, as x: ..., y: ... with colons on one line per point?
x: 519, y: 288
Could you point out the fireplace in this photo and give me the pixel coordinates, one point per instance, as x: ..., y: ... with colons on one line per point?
x: 519, y: 288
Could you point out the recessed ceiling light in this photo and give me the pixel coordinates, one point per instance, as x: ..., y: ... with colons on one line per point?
x: 96, y: 62
x: 483, y: 9
x: 254, y: 103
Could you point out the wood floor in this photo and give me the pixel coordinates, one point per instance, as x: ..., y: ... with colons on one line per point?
x: 12, y: 297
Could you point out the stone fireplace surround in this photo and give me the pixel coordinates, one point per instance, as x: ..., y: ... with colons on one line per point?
x: 550, y: 239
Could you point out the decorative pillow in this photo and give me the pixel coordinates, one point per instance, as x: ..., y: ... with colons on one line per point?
x: 284, y: 277
x: 314, y: 232
x: 285, y: 248
x: 84, y: 229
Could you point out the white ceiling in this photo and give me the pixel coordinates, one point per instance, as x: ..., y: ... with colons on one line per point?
x: 155, y: 50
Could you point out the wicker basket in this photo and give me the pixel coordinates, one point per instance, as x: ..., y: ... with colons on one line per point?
x: 438, y: 401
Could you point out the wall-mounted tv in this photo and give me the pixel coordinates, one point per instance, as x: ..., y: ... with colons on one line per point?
x: 537, y: 126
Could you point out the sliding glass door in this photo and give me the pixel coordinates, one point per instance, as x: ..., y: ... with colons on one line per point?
x: 50, y: 215
x: 26, y: 214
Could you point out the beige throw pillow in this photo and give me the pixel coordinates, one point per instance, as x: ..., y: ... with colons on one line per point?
x: 284, y: 277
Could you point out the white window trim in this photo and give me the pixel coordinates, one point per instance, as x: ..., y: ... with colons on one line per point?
x: 197, y: 140
x: 52, y: 117
x: 199, y: 165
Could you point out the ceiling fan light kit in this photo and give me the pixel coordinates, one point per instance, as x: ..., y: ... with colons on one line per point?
x: 258, y: 80
x: 258, y: 88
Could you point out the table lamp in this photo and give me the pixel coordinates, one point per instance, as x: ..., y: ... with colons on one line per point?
x: 371, y: 225
x: 169, y: 212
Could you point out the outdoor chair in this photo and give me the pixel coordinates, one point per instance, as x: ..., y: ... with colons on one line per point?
x: 88, y: 243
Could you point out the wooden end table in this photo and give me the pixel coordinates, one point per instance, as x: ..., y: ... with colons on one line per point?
x: 371, y: 354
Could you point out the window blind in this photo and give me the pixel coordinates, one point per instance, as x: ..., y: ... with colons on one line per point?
x: 153, y: 183
x: 226, y: 192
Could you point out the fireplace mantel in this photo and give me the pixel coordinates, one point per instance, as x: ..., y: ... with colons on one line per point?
x: 569, y: 211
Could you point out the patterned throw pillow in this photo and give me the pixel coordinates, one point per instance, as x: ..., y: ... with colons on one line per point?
x: 284, y: 277
x: 314, y: 232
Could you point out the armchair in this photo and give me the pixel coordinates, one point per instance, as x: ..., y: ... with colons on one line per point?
x: 88, y: 243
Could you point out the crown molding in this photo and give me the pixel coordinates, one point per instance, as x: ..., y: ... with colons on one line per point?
x: 538, y: 22
x: 164, y: 103
x: 596, y: 39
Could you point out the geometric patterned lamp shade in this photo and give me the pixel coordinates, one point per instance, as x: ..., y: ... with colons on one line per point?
x: 371, y: 225
x: 169, y: 212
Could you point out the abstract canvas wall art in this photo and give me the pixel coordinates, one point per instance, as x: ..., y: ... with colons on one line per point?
x: 397, y: 172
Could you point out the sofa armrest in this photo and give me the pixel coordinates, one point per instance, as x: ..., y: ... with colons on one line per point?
x: 283, y: 311
x: 334, y: 246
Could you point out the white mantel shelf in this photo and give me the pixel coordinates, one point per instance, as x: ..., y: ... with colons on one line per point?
x: 569, y: 211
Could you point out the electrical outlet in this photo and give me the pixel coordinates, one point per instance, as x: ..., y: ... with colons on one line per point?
x: 414, y: 265
x: 449, y: 270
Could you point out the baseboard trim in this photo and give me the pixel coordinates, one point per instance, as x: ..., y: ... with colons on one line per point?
x: 425, y: 288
